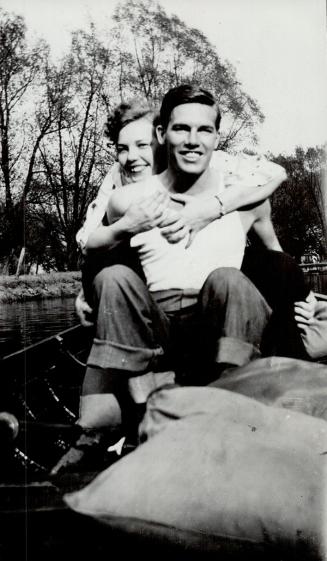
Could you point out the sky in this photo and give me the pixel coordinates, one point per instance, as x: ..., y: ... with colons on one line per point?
x: 278, y: 47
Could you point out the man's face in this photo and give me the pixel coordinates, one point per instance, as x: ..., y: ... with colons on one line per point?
x: 190, y: 138
x: 134, y: 150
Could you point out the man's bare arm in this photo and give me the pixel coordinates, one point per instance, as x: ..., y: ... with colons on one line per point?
x: 258, y: 218
x: 263, y: 227
x: 131, y: 211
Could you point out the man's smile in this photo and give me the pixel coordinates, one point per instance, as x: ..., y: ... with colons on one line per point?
x: 191, y: 155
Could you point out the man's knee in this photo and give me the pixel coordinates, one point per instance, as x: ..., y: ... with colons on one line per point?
x: 224, y: 280
x: 229, y: 285
x: 113, y: 278
x: 277, y: 261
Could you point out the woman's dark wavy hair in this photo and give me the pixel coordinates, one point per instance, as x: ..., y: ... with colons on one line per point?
x: 186, y: 93
x: 125, y: 113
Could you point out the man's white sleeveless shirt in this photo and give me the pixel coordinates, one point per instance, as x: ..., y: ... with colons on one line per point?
x: 167, y: 265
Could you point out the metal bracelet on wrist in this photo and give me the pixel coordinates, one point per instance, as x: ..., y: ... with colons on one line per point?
x: 222, y: 208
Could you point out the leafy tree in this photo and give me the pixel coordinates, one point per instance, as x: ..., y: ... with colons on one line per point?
x: 73, y: 158
x: 44, y: 241
x: 155, y: 52
x: 298, y: 207
x: 23, y: 124
x: 20, y: 81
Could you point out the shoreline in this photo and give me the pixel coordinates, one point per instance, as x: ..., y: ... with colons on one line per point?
x: 68, y: 284
x: 38, y: 287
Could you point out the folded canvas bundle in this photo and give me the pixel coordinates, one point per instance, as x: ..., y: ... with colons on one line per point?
x: 220, y: 465
x: 282, y: 382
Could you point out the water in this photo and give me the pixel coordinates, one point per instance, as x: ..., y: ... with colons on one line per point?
x: 24, y: 323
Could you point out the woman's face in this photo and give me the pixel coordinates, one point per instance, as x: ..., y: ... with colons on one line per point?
x: 134, y: 150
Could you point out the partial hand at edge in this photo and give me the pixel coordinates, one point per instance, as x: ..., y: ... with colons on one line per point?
x: 305, y: 311
x: 83, y: 309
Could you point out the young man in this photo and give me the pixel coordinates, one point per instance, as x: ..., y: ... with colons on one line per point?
x: 192, y: 292
x: 249, y: 180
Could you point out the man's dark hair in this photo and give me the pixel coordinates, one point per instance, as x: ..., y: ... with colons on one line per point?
x: 186, y: 93
x: 126, y: 113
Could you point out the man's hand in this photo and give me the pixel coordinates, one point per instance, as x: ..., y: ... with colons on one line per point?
x: 146, y: 213
x: 305, y: 311
x: 83, y: 310
x: 173, y: 227
x: 196, y: 213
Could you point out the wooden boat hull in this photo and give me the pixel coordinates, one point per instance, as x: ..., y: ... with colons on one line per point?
x: 41, y: 386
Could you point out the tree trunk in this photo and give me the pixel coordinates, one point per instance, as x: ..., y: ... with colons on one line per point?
x: 20, y: 261
x: 72, y: 255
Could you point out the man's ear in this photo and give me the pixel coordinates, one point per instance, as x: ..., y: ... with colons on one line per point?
x: 161, y: 134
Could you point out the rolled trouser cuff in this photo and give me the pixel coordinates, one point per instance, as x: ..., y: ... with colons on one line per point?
x: 235, y: 351
x: 108, y: 354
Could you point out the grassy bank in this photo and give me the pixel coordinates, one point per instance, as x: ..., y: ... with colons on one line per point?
x: 36, y: 287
